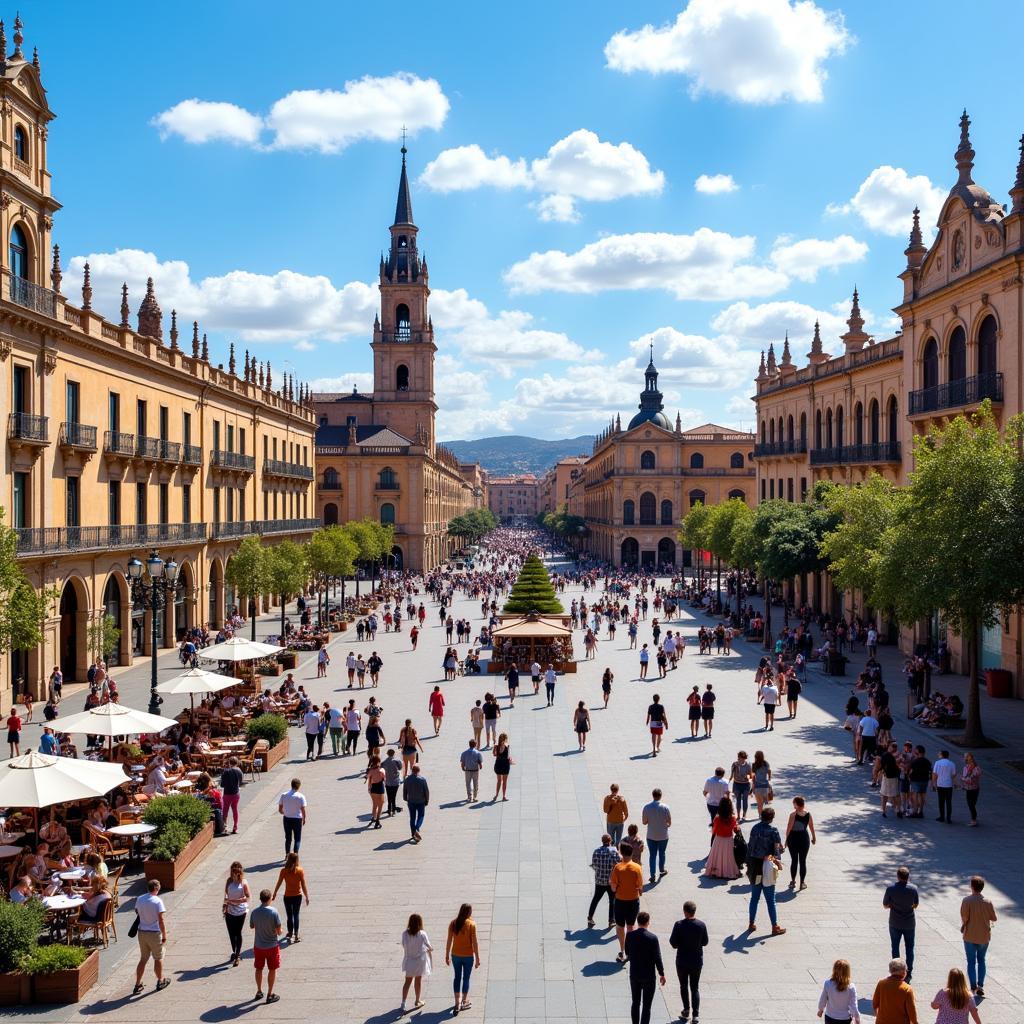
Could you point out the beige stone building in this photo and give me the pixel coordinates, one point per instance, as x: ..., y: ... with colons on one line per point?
x: 119, y: 440
x: 640, y: 481
x: 961, y: 341
x: 377, y: 454
x: 555, y: 487
x: 514, y: 498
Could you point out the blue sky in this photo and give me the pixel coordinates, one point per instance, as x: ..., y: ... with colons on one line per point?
x: 246, y: 155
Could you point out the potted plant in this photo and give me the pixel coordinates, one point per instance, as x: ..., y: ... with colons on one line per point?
x: 183, y: 831
x: 61, y: 974
x: 20, y: 925
x: 288, y: 659
x: 274, y: 729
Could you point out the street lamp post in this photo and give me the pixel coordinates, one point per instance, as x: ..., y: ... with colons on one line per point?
x: 152, y: 591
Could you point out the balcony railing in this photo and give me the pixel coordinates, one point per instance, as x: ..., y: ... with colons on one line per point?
x: 236, y: 529
x: 116, y: 443
x: 22, y: 426
x: 967, y: 391
x: 62, y: 539
x: 886, y: 451
x: 776, y: 448
x: 387, y: 485
x: 191, y: 455
x: 33, y: 296
x: 169, y: 451
x: 232, y: 460
x: 77, y: 435
x: 147, y: 447
x: 278, y: 467
x: 288, y: 526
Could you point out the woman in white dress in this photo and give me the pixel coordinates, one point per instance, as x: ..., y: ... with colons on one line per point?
x: 416, y: 949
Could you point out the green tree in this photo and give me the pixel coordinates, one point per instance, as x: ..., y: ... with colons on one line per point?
x: 727, y: 521
x: 23, y: 609
x: 956, y: 542
x: 694, y: 529
x: 247, y: 573
x: 287, y: 572
x: 330, y: 554
x: 104, y: 636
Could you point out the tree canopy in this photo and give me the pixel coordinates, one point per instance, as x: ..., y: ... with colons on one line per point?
x: 247, y: 572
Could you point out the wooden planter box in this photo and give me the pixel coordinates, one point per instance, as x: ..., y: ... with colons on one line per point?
x: 275, y: 670
x: 15, y: 989
x: 276, y: 755
x: 342, y: 626
x: 67, y: 986
x: 170, y: 872
x: 288, y: 659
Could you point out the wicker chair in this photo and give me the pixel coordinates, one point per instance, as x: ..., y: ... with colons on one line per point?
x: 101, y: 927
x: 251, y: 762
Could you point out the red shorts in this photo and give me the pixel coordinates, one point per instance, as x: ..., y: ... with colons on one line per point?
x: 269, y: 958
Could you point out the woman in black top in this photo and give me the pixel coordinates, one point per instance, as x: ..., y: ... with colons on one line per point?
x: 800, y: 835
x: 502, y: 766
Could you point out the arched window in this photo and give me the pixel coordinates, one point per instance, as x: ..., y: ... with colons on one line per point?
x: 402, y: 331
x: 930, y: 364
x: 987, y: 346
x: 829, y: 437
x: 763, y: 431
x: 817, y: 429
x: 19, y: 253
x: 647, y: 460
x: 386, y: 479
x: 894, y: 420
x: 331, y: 480
x: 789, y: 429
x: 387, y: 513
x: 771, y: 432
x: 737, y: 493
x: 858, y: 424
x: 330, y: 514
x: 697, y: 496
x: 628, y: 513
x: 956, y: 361
x: 20, y: 143
x: 803, y: 429
x: 648, y: 509
x: 781, y: 436
x: 874, y: 435
x: 666, y: 513
x: 697, y: 460
x: 402, y: 378
x: 840, y: 427
x: 736, y: 460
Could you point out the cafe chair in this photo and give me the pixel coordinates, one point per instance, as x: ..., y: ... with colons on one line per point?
x: 101, y: 927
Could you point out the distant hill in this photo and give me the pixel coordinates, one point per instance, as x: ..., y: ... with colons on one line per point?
x: 513, y: 453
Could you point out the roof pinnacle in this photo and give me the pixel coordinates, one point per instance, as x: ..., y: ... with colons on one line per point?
x: 56, y: 274
x: 1017, y: 192
x: 86, y: 288
x: 195, y: 339
x: 19, y: 38
x: 965, y: 153
x: 787, y: 357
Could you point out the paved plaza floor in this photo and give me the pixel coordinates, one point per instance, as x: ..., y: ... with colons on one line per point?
x: 524, y: 864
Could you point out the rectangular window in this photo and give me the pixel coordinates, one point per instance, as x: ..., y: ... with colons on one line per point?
x: 186, y: 428
x: 275, y: 504
x: 771, y: 488
x: 164, y: 435
x: 19, y: 513
x: 803, y: 488
x: 114, y: 502
x: 216, y: 435
x: 21, y: 398
x: 789, y: 489
x: 265, y: 446
x: 241, y: 440
x: 216, y: 504
x: 266, y: 502
x: 275, y: 447
x: 241, y: 505
x: 140, y: 417
x: 72, y: 406
x: 186, y: 503
x: 230, y: 493
x: 114, y: 412
x: 231, y: 437
x: 140, y: 504
x: 165, y: 504
x: 72, y: 515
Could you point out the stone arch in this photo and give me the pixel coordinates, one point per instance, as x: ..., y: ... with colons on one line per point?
x: 215, y: 604
x: 648, y: 460
x: 696, y: 496
x: 629, y: 552
x: 666, y: 512
x: 73, y: 632
x: 648, y: 509
x: 666, y: 551
x: 736, y: 460
x: 956, y: 355
x: 874, y: 424
x: 737, y: 493
x: 185, y: 599
x: 697, y: 458
x: 930, y: 363
x: 330, y: 514
x: 988, y: 344
x: 628, y: 512
x: 117, y: 603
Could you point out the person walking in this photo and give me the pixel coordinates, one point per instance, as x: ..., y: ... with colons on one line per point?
x: 416, y: 794
x: 800, y: 836
x: 768, y: 696
x: 375, y: 787
x: 512, y: 679
x: 763, y: 849
x: 920, y: 774
x: 550, y: 677
x: 14, y: 724
x: 462, y: 952
x: 581, y: 723
x: 416, y: 960
x: 762, y: 780
x: 693, y: 703
x: 970, y: 782
x: 626, y: 883
x: 721, y: 862
x: 616, y: 813
x: 392, y: 780
x: 707, y: 709
x: 152, y: 936
x: 658, y: 819
x: 838, y: 1000
x: 714, y: 789
x: 336, y: 727
x: 476, y: 720
x: 231, y: 780
x: 374, y: 664
x: 311, y: 722
x: 645, y: 657
x: 901, y: 900
x: 602, y: 861
x: 236, y: 909
x: 867, y: 731
x: 353, y: 727
x: 492, y: 712
x: 291, y: 805
x: 502, y: 766
x: 657, y: 722
x: 740, y: 775
x: 606, y: 685
x: 535, y: 671
x: 643, y: 951
x: 471, y: 761
x: 689, y: 937
x: 954, y: 1003
x: 893, y: 1000
x: 977, y: 915
x: 409, y: 741
x: 265, y: 922
x: 293, y: 878
x: 793, y: 690
x: 435, y: 705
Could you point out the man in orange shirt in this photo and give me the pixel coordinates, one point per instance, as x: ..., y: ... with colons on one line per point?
x: 893, y: 1000
x: 626, y: 882
x: 616, y: 812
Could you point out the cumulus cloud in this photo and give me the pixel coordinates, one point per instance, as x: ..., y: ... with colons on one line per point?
x: 343, y: 383
x: 695, y: 361
x: 886, y: 199
x: 715, y: 184
x: 709, y: 265
x: 327, y: 120
x: 580, y: 166
x: 753, y: 51
x: 771, y: 321
x: 806, y: 258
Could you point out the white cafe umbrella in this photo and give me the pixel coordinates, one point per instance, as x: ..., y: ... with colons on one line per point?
x: 41, y: 780
x: 238, y: 649
x: 113, y: 720
x: 194, y: 681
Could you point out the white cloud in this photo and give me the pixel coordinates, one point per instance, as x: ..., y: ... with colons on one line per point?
x: 327, y: 120
x: 806, y: 258
x: 715, y: 184
x: 710, y: 265
x: 343, y: 383
x: 305, y: 346
x: 771, y: 321
x: 886, y: 199
x: 198, y: 121
x: 694, y: 361
x: 580, y: 166
x: 753, y: 51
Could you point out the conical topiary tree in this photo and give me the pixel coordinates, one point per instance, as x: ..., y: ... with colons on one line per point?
x: 533, y: 592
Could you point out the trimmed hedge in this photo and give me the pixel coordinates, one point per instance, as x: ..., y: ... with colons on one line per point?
x: 55, y: 957
x: 179, y: 819
x: 270, y: 727
x: 533, y: 592
x: 20, y: 925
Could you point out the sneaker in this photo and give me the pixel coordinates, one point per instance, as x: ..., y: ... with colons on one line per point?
x: 684, y: 1014
x: 401, y: 1008
x: 590, y: 922
x: 621, y: 957
x: 981, y: 990
x: 275, y: 998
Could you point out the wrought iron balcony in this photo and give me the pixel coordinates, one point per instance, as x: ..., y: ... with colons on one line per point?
x: 279, y: 467
x: 236, y: 529
x: 62, y: 539
x: 387, y: 485
x: 272, y: 526
x: 22, y: 426
x: 147, y: 447
x: 191, y: 455
x: 32, y: 296
x: 776, y: 448
x: 79, y: 436
x: 232, y: 460
x: 886, y: 451
x: 956, y: 393
x: 116, y: 443
x: 169, y: 451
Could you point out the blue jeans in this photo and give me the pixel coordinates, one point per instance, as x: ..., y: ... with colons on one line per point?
x: 657, y: 851
x: 741, y: 794
x: 769, y: 899
x: 463, y: 969
x: 908, y: 941
x: 292, y: 832
x: 416, y: 813
x: 615, y: 831
x: 976, y: 963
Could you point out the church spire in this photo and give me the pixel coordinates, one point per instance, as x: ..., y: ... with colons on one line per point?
x: 965, y: 153
x: 855, y: 338
x: 403, y: 208
x: 817, y: 353
x: 916, y: 250
x: 787, y: 356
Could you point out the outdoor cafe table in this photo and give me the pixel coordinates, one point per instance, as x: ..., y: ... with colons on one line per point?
x: 234, y: 745
x: 134, y: 832
x: 7, y: 852
x: 74, y: 875
x: 60, y: 907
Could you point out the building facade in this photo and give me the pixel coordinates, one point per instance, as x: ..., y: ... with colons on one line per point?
x: 555, y: 488
x: 640, y: 481
x: 961, y: 341
x: 119, y: 440
x: 514, y: 498
x: 377, y: 454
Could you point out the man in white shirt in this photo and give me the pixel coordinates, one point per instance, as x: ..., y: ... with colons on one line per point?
x: 152, y: 937
x: 868, y: 732
x: 549, y: 683
x: 350, y: 666
x: 714, y: 789
x: 535, y: 676
x: 471, y: 761
x: 872, y: 641
x: 670, y: 648
x: 311, y: 723
x: 291, y: 805
x: 943, y: 775
x: 769, y: 697
x: 336, y: 725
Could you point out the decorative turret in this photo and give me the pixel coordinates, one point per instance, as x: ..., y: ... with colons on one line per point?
x: 125, y: 310
x: 150, y: 315
x: 817, y: 353
x: 1017, y: 192
x: 195, y: 339
x: 679, y: 423
x: 19, y: 38
x: 35, y: 58
x: 174, y: 331
x: 205, y: 350
x: 964, y: 155
x: 855, y: 338
x: 231, y: 359
x: 916, y: 250
x: 762, y: 370
x: 56, y: 274
x: 86, y: 289
x: 773, y: 368
x: 3, y: 47
x: 269, y: 380
x: 651, y: 403
x: 261, y: 378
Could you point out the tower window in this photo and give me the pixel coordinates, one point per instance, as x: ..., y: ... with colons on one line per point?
x: 696, y: 461
x: 647, y: 460
x: 402, y: 378
x: 19, y: 252
x: 20, y: 144
x: 402, y: 328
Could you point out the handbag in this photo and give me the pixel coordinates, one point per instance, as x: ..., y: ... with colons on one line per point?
x: 771, y: 794
x: 739, y: 849
x: 134, y: 929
